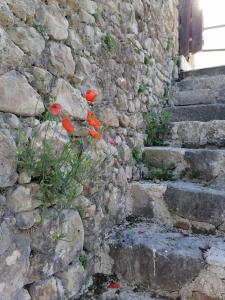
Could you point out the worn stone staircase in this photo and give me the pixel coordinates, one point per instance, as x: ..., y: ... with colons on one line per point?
x: 176, y: 246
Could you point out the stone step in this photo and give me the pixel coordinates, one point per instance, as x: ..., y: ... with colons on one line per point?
x: 194, y: 164
x: 203, y: 113
x: 158, y: 259
x: 199, y: 96
x: 202, y: 82
x: 195, y: 134
x: 168, y: 200
x: 125, y: 294
x: 214, y: 71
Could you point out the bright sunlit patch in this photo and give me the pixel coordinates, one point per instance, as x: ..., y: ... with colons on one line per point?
x: 213, y: 11
x: 213, y: 15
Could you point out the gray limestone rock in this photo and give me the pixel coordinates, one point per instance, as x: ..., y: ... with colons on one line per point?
x: 195, y: 202
x: 53, y: 21
x: 71, y: 99
x: 159, y: 260
x: 202, y: 165
x: 49, y: 289
x: 23, y: 9
x: 8, y: 157
x: 29, y: 40
x: 28, y: 101
x: 73, y: 278
x: 6, y: 16
x: 23, y: 295
x: 23, y: 198
x: 11, y: 56
x: 14, y: 260
x: 197, y: 134
x: 61, y: 61
x: 203, y: 113
x: 42, y: 80
x: 201, y: 82
x: 25, y: 220
x: 56, y: 243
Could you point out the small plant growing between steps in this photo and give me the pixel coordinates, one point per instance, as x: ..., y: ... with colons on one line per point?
x: 157, y: 125
x: 162, y: 174
x: 137, y: 153
x: 167, y: 91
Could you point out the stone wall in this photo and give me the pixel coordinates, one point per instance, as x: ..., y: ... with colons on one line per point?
x: 50, y: 50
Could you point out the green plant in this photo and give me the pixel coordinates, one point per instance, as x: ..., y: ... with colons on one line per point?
x: 176, y: 59
x: 40, y: 28
x: 98, y: 16
x: 148, y: 60
x: 169, y: 43
x: 57, y: 236
x: 60, y: 176
x: 84, y: 261
x: 195, y: 174
x: 110, y: 42
x: 60, y: 169
x: 137, y: 153
x: 162, y: 174
x: 142, y: 88
x: 106, y: 209
x: 157, y: 125
x: 167, y: 91
x: 184, y: 173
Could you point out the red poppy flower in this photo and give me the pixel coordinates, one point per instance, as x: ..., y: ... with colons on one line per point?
x: 114, y: 285
x: 95, y: 134
x: 55, y: 109
x: 93, y: 120
x: 68, y: 125
x: 91, y: 96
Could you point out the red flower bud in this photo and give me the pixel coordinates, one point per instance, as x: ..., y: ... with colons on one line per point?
x: 68, y: 125
x: 55, y: 109
x: 93, y: 120
x: 114, y: 285
x: 95, y: 134
x: 91, y: 96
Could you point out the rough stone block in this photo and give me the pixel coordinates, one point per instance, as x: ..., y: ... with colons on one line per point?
x: 8, y: 156
x: 71, y: 99
x: 55, y: 24
x: 151, y: 256
x: 28, y: 101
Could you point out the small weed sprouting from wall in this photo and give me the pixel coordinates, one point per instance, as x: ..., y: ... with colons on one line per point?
x: 84, y: 261
x: 59, y: 236
x: 157, y: 125
x: 137, y: 153
x: 142, y: 88
x: 161, y: 173
x: 169, y: 43
x: 167, y: 91
x: 176, y: 59
x: 60, y: 170
x: 110, y: 42
x: 98, y: 16
x: 148, y: 60
x: 40, y: 28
